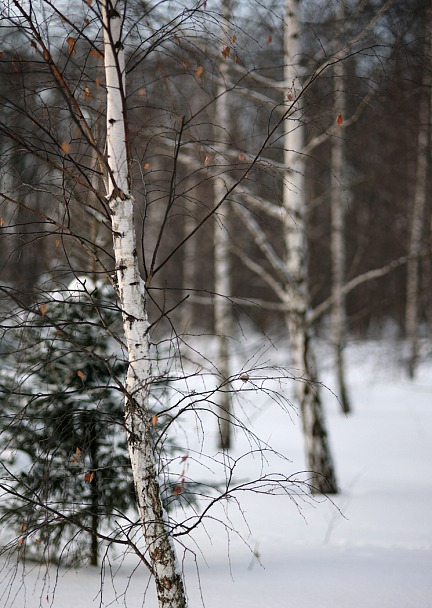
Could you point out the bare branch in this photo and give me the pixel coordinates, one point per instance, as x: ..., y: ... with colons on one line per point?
x: 370, y: 275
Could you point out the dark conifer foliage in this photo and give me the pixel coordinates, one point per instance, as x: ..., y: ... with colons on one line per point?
x: 61, y: 422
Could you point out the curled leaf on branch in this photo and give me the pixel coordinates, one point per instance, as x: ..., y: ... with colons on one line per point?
x: 96, y: 54
x: 71, y: 43
x: 87, y: 94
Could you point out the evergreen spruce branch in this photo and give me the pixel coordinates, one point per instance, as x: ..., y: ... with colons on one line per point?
x: 57, y: 515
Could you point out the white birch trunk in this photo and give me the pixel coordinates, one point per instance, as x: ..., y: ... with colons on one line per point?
x: 417, y: 218
x: 131, y: 291
x: 222, y: 256
x: 318, y: 454
x: 338, y: 229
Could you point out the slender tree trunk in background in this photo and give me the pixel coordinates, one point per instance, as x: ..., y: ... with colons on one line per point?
x: 319, y: 459
x: 417, y: 217
x: 223, y: 322
x: 95, y: 506
x: 16, y: 222
x: 222, y: 243
x: 189, y: 263
x: 131, y: 290
x: 338, y: 324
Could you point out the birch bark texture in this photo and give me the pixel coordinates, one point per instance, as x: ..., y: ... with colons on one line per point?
x: 337, y: 238
x: 222, y: 243
x: 131, y: 292
x: 419, y: 203
x: 318, y: 454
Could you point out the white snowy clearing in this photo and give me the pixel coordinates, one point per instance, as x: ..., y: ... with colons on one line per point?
x: 377, y: 553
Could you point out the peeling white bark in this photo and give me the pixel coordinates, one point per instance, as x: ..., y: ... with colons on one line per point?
x: 131, y: 290
x: 115, y: 88
x: 318, y: 453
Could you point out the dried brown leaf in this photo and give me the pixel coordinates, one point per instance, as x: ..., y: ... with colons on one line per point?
x: 71, y: 43
x: 96, y: 54
x: 87, y: 94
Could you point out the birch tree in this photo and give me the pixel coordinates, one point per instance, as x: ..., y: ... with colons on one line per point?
x: 290, y: 280
x: 297, y: 298
x: 419, y: 203
x: 338, y: 224
x: 222, y: 238
x: 132, y: 290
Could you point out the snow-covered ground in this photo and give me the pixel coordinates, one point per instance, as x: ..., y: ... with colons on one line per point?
x: 371, y: 548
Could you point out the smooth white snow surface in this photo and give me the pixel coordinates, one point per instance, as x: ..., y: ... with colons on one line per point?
x: 377, y: 553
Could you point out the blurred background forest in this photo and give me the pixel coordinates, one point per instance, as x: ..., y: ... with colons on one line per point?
x: 389, y: 67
